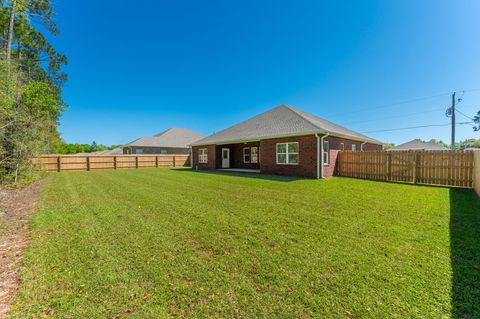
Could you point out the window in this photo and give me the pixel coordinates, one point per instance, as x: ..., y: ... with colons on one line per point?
x: 326, y: 153
x: 163, y: 152
x: 342, y: 146
x: 138, y: 151
x: 354, y: 147
x: 254, y: 155
x: 203, y: 155
x: 246, y: 154
x: 287, y: 153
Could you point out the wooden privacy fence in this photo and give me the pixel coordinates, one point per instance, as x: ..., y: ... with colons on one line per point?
x: 450, y: 168
x: 60, y: 163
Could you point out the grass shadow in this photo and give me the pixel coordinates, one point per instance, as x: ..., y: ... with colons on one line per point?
x: 277, y: 178
x: 465, y: 253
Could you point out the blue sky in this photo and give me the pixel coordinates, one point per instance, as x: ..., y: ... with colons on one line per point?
x: 139, y: 67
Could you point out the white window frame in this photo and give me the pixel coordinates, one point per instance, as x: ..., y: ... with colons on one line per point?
x: 203, y: 155
x: 287, y: 153
x: 326, y: 153
x: 245, y: 155
x: 342, y: 146
x: 354, y: 147
x: 257, y: 154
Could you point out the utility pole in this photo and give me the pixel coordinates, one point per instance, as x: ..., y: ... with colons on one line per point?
x: 453, y: 121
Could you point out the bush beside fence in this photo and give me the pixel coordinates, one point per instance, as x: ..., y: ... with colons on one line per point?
x: 449, y: 168
x: 61, y: 163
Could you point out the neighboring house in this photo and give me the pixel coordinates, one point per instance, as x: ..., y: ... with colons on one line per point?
x: 171, y: 141
x: 115, y: 151
x: 283, y: 141
x: 417, y: 145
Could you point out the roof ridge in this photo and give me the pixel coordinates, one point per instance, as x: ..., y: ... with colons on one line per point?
x: 137, y: 139
x: 295, y: 111
x: 161, y: 133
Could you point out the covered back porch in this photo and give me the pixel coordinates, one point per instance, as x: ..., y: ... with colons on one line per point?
x: 239, y: 156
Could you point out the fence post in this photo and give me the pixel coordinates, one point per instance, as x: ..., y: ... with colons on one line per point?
x: 136, y: 161
x: 59, y: 163
x: 389, y: 165
x: 88, y: 163
x: 476, y: 172
x: 416, y: 159
x: 114, y: 162
x: 174, y: 161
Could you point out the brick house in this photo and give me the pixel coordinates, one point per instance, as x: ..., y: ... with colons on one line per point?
x: 281, y: 141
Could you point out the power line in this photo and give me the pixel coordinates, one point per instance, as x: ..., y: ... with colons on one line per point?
x: 415, y: 127
x: 397, y: 103
x: 394, y: 117
x: 403, y: 102
x: 468, y: 117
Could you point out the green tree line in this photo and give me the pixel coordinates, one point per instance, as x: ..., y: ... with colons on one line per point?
x: 74, y: 148
x: 31, y: 81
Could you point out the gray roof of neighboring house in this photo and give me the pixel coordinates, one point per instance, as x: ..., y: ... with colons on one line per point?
x: 117, y: 150
x: 173, y: 137
x: 419, y: 145
x: 281, y: 121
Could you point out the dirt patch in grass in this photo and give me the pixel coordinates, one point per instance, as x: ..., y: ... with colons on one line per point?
x: 16, y: 209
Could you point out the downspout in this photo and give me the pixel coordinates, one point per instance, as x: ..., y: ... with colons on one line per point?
x: 361, y: 146
x: 320, y: 155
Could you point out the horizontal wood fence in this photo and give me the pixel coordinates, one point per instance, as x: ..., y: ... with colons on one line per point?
x: 61, y: 163
x: 449, y: 168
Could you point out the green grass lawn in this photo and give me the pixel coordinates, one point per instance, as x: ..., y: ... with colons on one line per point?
x: 154, y: 243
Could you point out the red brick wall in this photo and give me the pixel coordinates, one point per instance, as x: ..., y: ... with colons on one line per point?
x: 336, y: 141
x: 307, y: 166
x: 211, y: 157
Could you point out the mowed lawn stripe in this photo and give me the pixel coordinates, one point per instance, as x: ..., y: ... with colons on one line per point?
x: 153, y: 243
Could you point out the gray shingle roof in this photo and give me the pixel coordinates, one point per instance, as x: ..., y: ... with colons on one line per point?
x: 419, y: 145
x: 281, y: 121
x: 173, y: 137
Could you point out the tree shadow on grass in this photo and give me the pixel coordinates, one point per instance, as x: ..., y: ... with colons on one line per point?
x: 277, y: 178
x: 465, y: 253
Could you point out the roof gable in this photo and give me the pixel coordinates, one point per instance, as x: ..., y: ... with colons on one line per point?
x: 280, y: 121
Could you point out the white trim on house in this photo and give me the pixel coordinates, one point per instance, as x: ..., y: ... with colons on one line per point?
x: 245, y: 155
x: 257, y: 154
x: 326, y: 153
x: 203, y: 155
x: 287, y: 153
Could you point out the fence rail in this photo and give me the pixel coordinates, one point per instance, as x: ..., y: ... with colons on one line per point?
x: 449, y: 168
x: 61, y: 163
